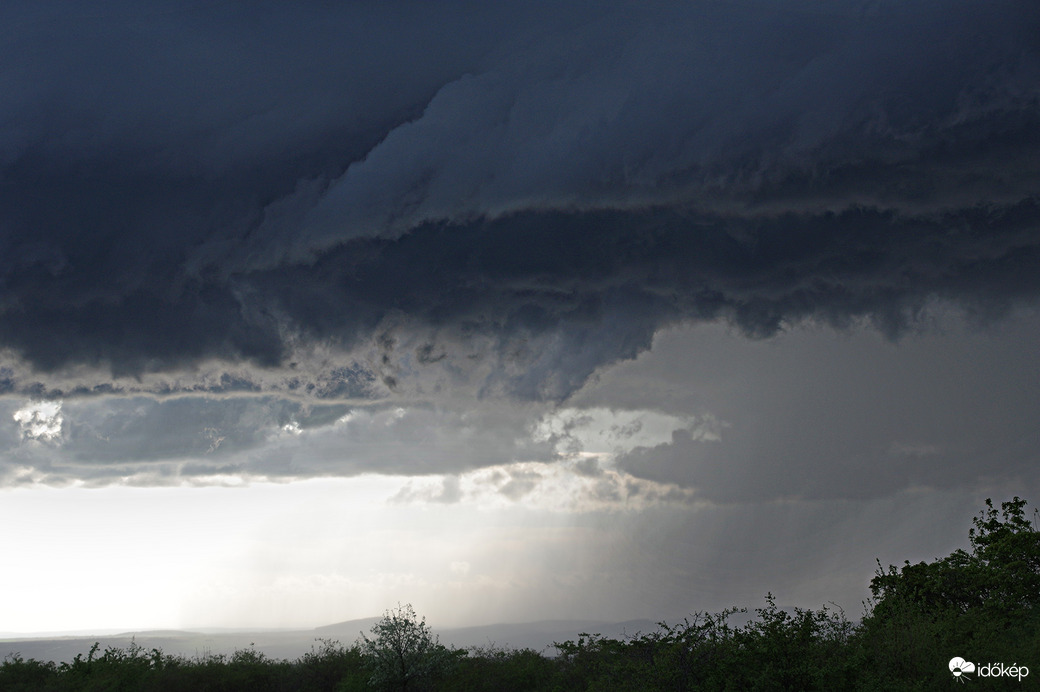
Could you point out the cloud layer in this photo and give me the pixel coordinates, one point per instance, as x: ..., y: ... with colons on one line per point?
x: 496, y: 194
x: 612, y: 309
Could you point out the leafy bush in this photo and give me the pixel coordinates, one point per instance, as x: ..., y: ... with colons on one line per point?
x: 490, y: 669
x: 18, y: 675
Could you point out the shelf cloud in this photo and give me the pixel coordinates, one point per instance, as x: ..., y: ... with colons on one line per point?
x: 511, y: 310
x: 194, y: 185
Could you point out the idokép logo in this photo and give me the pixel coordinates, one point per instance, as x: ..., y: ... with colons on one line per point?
x: 960, y: 669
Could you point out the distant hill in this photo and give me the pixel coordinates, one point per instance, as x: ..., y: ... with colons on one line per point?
x: 348, y: 630
x: 291, y: 644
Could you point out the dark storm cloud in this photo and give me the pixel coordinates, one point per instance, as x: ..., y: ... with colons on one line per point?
x: 524, y: 193
x: 822, y: 415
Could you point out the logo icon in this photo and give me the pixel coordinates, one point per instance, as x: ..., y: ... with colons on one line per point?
x: 958, y: 666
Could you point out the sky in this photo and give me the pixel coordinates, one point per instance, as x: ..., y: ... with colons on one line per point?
x: 511, y: 311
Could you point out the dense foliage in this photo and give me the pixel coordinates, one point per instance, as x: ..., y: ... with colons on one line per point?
x: 982, y: 604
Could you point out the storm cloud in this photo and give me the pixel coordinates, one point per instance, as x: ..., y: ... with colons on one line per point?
x: 187, y: 185
x: 817, y: 415
x: 509, y: 310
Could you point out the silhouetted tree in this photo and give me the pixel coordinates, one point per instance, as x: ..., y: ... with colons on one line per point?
x: 403, y: 654
x: 982, y: 604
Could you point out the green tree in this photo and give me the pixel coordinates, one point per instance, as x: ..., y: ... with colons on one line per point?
x: 402, y: 653
x: 982, y: 604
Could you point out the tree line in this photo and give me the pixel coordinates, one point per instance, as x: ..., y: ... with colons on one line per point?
x: 973, y: 615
